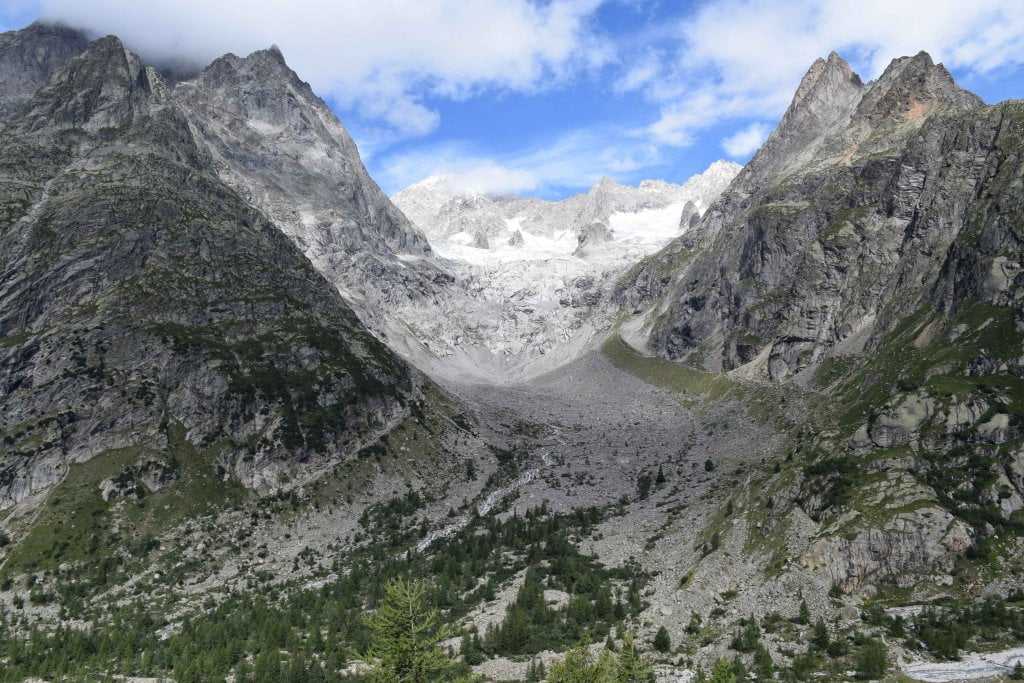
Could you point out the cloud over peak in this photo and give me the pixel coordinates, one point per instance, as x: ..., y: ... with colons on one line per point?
x: 380, y: 57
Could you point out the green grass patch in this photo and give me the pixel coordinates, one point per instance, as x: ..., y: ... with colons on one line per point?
x: 663, y: 373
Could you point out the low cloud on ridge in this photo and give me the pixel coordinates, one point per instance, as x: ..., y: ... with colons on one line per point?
x: 380, y: 57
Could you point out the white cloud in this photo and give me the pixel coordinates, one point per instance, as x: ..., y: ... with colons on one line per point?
x: 382, y: 57
x: 493, y: 178
x: 745, y: 142
x: 714, y: 64
x: 576, y: 158
x: 742, y: 59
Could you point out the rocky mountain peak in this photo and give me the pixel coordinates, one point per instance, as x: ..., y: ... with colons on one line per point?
x: 29, y: 57
x: 106, y: 86
x: 908, y: 90
x: 820, y: 109
x: 823, y: 76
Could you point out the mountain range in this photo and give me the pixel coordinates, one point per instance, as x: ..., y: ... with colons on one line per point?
x: 775, y: 412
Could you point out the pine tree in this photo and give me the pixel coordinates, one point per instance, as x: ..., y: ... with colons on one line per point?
x: 405, y: 637
x: 579, y: 666
x: 804, y: 615
x: 631, y: 667
x: 242, y: 671
x: 872, y: 660
x: 470, y: 649
x: 739, y: 671
x: 820, y: 637
x: 764, y: 667
x: 724, y: 672
x: 662, y: 642
x: 1018, y: 671
x: 660, y: 478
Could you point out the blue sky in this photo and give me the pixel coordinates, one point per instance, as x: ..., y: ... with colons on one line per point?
x: 544, y: 98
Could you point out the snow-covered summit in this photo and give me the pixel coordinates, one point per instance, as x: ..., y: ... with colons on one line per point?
x: 443, y: 212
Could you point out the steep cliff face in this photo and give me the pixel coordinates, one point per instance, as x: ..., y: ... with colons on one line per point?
x: 146, y: 307
x: 839, y: 225
x: 281, y: 148
x: 870, y: 253
x: 28, y: 58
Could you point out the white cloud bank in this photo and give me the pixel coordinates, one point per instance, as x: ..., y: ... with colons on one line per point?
x: 746, y: 140
x: 742, y: 59
x: 381, y: 57
x: 574, y: 159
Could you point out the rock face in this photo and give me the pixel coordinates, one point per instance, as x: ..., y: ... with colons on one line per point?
x: 28, y: 59
x: 842, y: 223
x: 147, y: 306
x: 690, y: 216
x: 868, y: 253
x: 281, y: 148
x: 593, y: 234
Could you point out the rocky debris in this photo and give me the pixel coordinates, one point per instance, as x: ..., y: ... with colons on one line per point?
x: 516, y: 239
x: 972, y: 666
x: 480, y: 241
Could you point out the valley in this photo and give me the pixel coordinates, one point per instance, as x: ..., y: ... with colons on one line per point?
x: 768, y: 421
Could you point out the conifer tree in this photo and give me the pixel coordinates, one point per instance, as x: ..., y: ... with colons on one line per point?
x: 764, y: 667
x: 872, y: 660
x: 405, y: 637
x: 804, y: 615
x: 631, y: 667
x: 662, y: 642
x: 724, y: 672
x: 820, y: 637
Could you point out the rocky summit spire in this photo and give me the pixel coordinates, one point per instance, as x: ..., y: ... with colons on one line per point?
x: 104, y: 87
x: 821, y: 107
x: 909, y: 89
x: 29, y: 57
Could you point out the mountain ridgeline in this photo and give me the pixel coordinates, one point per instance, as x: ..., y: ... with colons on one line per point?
x: 768, y: 420
x: 870, y: 253
x: 146, y: 304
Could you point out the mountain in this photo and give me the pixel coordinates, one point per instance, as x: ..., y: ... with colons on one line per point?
x: 30, y: 57
x: 438, y: 208
x: 148, y: 309
x: 530, y: 276
x: 281, y: 148
x: 868, y: 254
x: 769, y: 418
